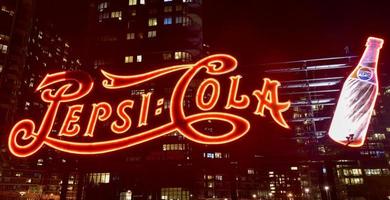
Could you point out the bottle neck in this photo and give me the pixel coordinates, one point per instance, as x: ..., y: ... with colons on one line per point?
x: 370, y: 56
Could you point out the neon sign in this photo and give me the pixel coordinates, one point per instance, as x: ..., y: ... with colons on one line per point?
x: 357, y: 99
x: 63, y: 88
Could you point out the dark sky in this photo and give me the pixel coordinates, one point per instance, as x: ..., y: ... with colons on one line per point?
x: 269, y: 31
x: 258, y: 31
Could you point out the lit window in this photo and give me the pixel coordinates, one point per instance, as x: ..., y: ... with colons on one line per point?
x: 218, y: 177
x: 168, y: 9
x: 179, y: 20
x: 294, y: 168
x: 130, y: 36
x: 373, y: 172
x: 152, y: 22
x: 40, y: 162
x: 125, y: 195
x: 167, y: 0
x: 174, y: 193
x: 251, y: 171
x: 152, y: 34
x: 356, y: 172
x: 133, y: 12
x: 184, y: 56
x: 102, y: 6
x: 218, y: 155
x: 174, y: 147
x: 116, y: 14
x: 378, y: 136
x: 187, y: 1
x: 132, y: 2
x: 210, y: 155
x: 3, y: 48
x: 139, y: 58
x: 167, y: 20
x: 1, y: 68
x: 26, y: 105
x: 142, y: 2
x: 356, y: 181
x: 129, y: 59
x: 96, y: 178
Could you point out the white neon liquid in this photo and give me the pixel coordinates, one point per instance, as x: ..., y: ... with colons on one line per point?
x: 353, y: 112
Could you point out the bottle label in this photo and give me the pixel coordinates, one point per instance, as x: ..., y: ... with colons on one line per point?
x: 365, y: 74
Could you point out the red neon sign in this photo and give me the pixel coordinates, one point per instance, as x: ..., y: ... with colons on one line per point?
x: 25, y: 139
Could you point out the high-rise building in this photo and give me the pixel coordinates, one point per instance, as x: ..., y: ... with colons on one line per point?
x: 137, y: 36
x: 48, y: 176
x: 15, y: 24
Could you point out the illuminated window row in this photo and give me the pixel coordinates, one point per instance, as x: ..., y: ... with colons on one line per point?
x: 101, y: 6
x: 107, y: 15
x: 352, y: 181
x: 174, y: 193
x: 130, y: 59
x: 134, y: 2
x: 212, y: 177
x: 116, y: 14
x: 183, y: 20
x: 373, y: 154
x: 131, y: 36
x: 377, y: 136
x: 352, y: 172
x: 174, y: 147
x: 215, y: 155
x: 96, y: 178
x: 376, y: 172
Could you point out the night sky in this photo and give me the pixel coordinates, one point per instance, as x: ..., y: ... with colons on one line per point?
x: 259, y: 31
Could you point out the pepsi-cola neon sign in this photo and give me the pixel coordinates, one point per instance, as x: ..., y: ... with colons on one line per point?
x: 58, y: 91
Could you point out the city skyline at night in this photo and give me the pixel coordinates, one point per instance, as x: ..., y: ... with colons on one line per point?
x: 217, y: 100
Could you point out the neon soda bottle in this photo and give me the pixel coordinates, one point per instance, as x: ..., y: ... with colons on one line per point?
x: 357, y: 99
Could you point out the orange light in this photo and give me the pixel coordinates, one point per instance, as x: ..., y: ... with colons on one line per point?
x: 143, y: 115
x: 232, y: 102
x: 214, y: 65
x: 124, y: 117
x: 214, y: 84
x: 101, y: 111
x: 69, y: 120
x: 268, y: 98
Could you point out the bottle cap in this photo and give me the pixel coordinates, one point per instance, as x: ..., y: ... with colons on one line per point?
x: 374, y: 42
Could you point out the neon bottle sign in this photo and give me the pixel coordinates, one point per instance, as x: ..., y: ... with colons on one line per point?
x: 26, y: 138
